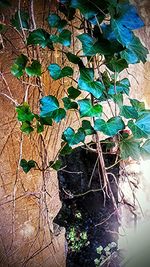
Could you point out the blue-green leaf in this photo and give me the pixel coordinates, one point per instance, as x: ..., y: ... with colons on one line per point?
x: 128, y: 112
x: 73, y: 93
x: 41, y: 37
x: 54, y: 20
x: 58, y: 114
x: 68, y: 104
x: 143, y: 123
x: 129, y: 147
x: 139, y: 106
x: 73, y: 138
x: 48, y: 105
x: 121, y: 87
x: 111, y: 127
x: 57, y: 73
x: 136, y: 131
x: 117, y: 65
x: 86, y: 83
x: 86, y: 125
x: 88, y: 110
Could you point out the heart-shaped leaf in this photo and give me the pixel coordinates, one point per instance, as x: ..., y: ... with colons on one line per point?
x: 56, y: 165
x: 57, y: 73
x: 143, y: 123
x: 86, y: 125
x: 34, y: 69
x: 68, y: 104
x: 86, y: 83
x: 129, y: 147
x: 24, y: 113
x: 26, y: 127
x: 27, y: 165
x: 19, y: 65
x: 111, y: 127
x: 136, y: 131
x: 88, y: 110
x: 40, y: 37
x: 73, y: 93
x: 73, y: 138
x: 128, y: 112
x: 48, y: 104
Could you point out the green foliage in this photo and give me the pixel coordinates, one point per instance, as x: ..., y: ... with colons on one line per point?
x: 55, y: 165
x: 34, y: 69
x: 40, y: 37
x: 68, y: 104
x: 129, y: 112
x: 73, y: 93
x: 73, y: 138
x: 120, y: 87
x: 24, y: 113
x: 104, y: 253
x: 15, y: 21
x: 56, y: 22
x: 57, y: 73
x: 76, y: 239
x: 27, y: 165
x: 88, y: 110
x: 111, y: 127
x: 64, y: 38
x: 86, y: 83
x: 19, y: 65
x: 130, y: 147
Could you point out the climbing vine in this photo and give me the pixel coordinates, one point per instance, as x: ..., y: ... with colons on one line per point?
x: 107, y: 45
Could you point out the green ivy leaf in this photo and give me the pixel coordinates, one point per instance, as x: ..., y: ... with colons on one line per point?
x: 130, y: 148
x: 135, y: 51
x: 65, y: 38
x: 86, y: 125
x: 19, y: 66
x: 118, y: 99
x: 27, y: 165
x: 88, y: 110
x: 40, y: 37
x: 58, y: 115
x: 26, y: 127
x: 48, y: 104
x: 136, y: 131
x: 24, y: 113
x: 139, y: 106
x: 143, y: 123
x: 128, y: 112
x: 74, y: 59
x: 56, y: 165
x: 117, y: 65
x: 86, y: 83
x: 46, y: 121
x: 91, y: 46
x: 66, y: 150
x: 73, y: 138
x: 121, y: 87
x: 15, y: 21
x: 73, y: 93
x: 111, y: 127
x: 57, y: 73
x: 34, y: 69
x: 68, y: 104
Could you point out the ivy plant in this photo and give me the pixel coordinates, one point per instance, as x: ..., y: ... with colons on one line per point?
x: 105, y: 35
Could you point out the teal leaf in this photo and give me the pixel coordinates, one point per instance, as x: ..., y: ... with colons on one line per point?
x: 26, y: 127
x: 136, y: 131
x: 58, y: 115
x: 48, y: 105
x: 34, y: 69
x: 57, y: 73
x: 73, y: 93
x: 64, y: 38
x: 86, y: 83
x: 118, y: 99
x: 24, y: 113
x: 121, y: 87
x: 123, y: 34
x: 143, y: 123
x: 54, y: 20
x: 135, y: 51
x: 56, y: 165
x: 111, y: 127
x: 117, y: 65
x: 130, y: 148
x: 27, y: 165
x: 91, y: 46
x: 86, y: 125
x: 68, y: 104
x: 19, y: 65
x: 73, y: 138
x: 88, y: 110
x: 40, y: 37
x: 128, y: 112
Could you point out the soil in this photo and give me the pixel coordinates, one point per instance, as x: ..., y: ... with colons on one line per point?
x: 74, y: 180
